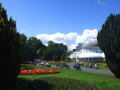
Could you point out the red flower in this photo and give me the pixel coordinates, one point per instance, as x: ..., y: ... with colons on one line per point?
x: 38, y: 71
x: 106, y: 66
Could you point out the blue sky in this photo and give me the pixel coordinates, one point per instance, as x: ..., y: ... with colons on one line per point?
x: 50, y: 16
x: 63, y: 21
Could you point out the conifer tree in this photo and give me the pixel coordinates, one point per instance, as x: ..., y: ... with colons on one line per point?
x: 109, y: 42
x: 10, y: 51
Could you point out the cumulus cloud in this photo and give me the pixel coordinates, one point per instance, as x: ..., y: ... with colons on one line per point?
x: 70, y: 39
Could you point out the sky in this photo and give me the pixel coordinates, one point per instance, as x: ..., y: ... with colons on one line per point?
x: 63, y: 21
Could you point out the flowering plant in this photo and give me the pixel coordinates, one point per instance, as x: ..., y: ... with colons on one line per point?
x: 106, y: 66
x: 38, y: 71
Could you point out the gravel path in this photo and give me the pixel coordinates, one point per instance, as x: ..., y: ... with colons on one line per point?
x: 99, y: 71
x: 91, y: 70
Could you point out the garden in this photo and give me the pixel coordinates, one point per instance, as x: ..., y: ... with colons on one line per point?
x: 15, y: 48
x: 27, y: 69
x: 67, y: 78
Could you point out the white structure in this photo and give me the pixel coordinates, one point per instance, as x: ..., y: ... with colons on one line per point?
x: 89, y: 52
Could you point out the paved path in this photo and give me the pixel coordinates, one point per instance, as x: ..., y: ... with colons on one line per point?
x: 100, y: 71
x: 91, y: 70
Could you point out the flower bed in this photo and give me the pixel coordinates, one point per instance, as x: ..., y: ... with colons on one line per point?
x: 106, y: 66
x: 38, y: 71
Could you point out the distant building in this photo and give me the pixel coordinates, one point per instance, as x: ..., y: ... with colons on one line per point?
x: 88, y: 52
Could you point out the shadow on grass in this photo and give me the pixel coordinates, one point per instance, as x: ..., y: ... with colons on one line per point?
x: 40, y: 85
x: 24, y: 84
x: 53, y: 83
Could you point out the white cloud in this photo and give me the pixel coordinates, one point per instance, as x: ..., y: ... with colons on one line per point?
x: 100, y: 2
x: 70, y: 39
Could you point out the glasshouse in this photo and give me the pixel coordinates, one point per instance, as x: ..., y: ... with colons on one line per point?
x: 88, y: 52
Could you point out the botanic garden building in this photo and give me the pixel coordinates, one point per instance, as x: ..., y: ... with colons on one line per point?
x: 88, y: 52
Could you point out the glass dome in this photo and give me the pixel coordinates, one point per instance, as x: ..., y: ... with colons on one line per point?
x: 90, y: 43
x: 90, y: 52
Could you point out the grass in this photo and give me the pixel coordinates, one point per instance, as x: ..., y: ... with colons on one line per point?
x: 51, y: 83
x: 102, y: 82
x: 101, y: 66
x: 27, y: 66
x: 30, y: 66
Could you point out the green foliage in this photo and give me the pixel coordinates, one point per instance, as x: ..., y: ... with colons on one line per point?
x: 31, y: 48
x: 55, y: 63
x: 24, y: 51
x: 109, y: 42
x: 34, y: 43
x: 65, y: 57
x: 54, y: 51
x: 55, y: 57
x: 10, y: 51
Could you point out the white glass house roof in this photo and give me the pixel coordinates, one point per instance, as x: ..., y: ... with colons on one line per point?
x: 89, y: 49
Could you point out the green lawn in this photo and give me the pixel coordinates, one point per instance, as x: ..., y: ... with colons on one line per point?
x: 102, y: 82
x: 101, y: 66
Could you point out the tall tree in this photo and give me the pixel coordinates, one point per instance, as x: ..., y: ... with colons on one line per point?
x: 54, y: 50
x: 33, y: 45
x: 24, y: 51
x: 109, y: 42
x: 10, y: 51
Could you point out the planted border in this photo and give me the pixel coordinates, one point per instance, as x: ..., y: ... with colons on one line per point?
x: 38, y: 71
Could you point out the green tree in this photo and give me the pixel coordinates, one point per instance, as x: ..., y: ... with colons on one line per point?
x: 55, y: 57
x: 24, y: 51
x: 10, y: 51
x: 33, y: 45
x: 54, y: 50
x: 40, y: 52
x: 109, y: 42
x: 65, y: 57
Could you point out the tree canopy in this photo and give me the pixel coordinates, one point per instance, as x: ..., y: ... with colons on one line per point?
x: 33, y: 48
x: 54, y: 51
